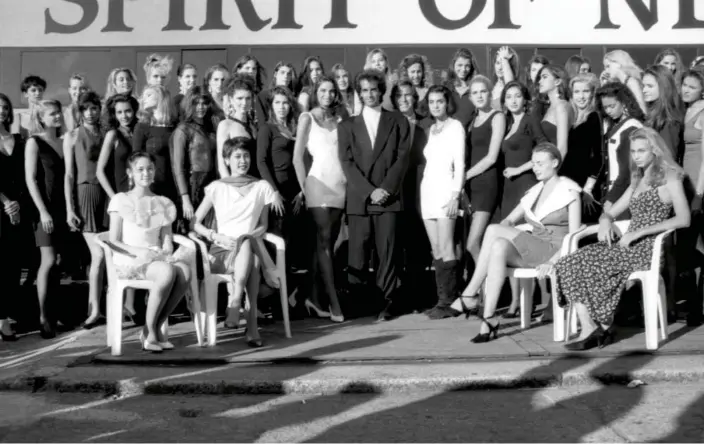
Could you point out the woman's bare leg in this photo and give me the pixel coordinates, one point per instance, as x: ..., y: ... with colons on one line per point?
x: 243, y: 265
x: 179, y: 289
x: 502, y: 254
x: 95, y: 277
x: 163, y: 277
x: 253, y: 296
x: 44, y: 280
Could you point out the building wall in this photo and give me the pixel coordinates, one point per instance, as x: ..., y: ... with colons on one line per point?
x: 57, y: 64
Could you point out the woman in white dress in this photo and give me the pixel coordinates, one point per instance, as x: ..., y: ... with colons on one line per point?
x: 440, y: 190
x: 241, y: 203
x: 324, y: 186
x: 140, y: 229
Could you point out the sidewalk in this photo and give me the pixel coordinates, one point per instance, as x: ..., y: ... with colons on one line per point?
x: 408, y: 353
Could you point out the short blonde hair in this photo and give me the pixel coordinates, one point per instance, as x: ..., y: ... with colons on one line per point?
x: 36, y: 123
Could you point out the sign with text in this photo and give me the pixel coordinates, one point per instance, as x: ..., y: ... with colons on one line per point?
x: 67, y: 23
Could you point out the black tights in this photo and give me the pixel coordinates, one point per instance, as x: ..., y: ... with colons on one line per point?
x: 327, y: 222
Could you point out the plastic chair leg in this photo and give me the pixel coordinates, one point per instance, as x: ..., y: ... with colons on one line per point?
x: 526, y: 299
x: 211, y: 307
x: 114, y: 317
x: 650, y: 308
x: 662, y: 308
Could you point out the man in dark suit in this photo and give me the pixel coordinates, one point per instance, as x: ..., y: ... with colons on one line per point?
x: 374, y: 149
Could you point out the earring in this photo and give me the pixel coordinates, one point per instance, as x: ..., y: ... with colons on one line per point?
x: 130, y: 182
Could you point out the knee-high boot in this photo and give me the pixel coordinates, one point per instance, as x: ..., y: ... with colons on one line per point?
x: 448, y: 283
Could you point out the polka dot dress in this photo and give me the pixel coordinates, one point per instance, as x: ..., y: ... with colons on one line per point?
x: 596, y: 274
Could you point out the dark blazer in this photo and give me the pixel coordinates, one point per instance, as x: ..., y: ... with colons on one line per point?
x: 381, y: 165
x: 416, y: 164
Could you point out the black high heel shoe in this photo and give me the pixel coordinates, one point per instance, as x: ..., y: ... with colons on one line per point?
x: 486, y: 337
x: 512, y: 315
x: 607, y: 337
x: 465, y: 310
x: 46, y: 330
x: 594, y: 339
x: 254, y: 343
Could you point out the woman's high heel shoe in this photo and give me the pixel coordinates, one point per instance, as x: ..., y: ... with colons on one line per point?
x: 486, y: 337
x: 228, y: 322
x: 467, y: 311
x: 594, y: 339
x: 311, y: 306
x: 46, y: 330
x: 149, y: 346
x: 335, y: 318
x: 254, y: 343
x: 607, y: 337
x: 512, y: 314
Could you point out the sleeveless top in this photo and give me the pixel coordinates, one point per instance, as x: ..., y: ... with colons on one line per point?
x: 480, y: 138
x: 86, y: 152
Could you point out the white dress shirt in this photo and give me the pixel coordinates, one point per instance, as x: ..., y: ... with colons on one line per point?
x: 371, y: 118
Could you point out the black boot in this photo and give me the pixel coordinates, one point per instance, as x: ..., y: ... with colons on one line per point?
x: 448, y: 278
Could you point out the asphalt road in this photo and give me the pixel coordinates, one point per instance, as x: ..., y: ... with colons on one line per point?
x: 662, y: 413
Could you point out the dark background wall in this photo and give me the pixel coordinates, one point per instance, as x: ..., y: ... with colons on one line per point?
x: 57, y: 64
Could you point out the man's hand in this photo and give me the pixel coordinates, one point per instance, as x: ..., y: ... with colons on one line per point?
x: 379, y: 196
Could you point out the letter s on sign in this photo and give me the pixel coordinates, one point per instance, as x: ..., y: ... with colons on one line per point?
x: 90, y: 13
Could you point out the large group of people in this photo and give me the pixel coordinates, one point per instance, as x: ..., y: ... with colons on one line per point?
x: 414, y: 172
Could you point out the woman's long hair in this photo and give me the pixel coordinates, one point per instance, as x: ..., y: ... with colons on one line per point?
x: 259, y: 79
x: 451, y: 76
x: 623, y: 95
x: 679, y: 64
x: 628, y: 65
x: 574, y: 64
x: 525, y: 92
x: 668, y: 107
x: 292, y: 83
x: 304, y: 81
x: 164, y: 106
x: 410, y: 60
x: 337, y: 106
x: 592, y: 81
x: 292, y: 117
x: 663, y: 162
x: 10, y: 112
x: 348, y: 94
x: 189, y: 103
x: 110, y: 121
x: 110, y: 89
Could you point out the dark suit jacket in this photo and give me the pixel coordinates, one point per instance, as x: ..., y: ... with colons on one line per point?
x: 381, y: 165
x: 416, y: 164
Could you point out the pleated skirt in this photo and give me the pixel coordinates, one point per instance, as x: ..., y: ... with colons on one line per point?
x: 92, y: 208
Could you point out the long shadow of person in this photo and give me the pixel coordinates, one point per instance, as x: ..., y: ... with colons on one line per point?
x: 690, y: 424
x: 548, y: 415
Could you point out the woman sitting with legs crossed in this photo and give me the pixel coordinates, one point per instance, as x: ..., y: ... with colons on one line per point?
x: 553, y: 208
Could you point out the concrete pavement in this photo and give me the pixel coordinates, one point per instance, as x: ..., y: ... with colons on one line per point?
x: 359, y: 356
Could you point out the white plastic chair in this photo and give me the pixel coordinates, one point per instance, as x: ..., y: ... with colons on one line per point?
x: 525, y: 277
x: 117, y: 286
x: 211, y: 281
x: 654, y: 296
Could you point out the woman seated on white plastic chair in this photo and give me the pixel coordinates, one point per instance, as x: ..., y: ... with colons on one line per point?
x: 241, y: 203
x: 593, y: 278
x: 140, y: 229
x: 553, y: 208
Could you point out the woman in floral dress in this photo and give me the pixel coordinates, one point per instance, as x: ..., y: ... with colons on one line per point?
x: 593, y: 277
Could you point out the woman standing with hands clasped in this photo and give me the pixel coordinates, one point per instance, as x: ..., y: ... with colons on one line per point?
x: 440, y: 190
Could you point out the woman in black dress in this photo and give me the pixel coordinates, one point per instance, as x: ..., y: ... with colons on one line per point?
x: 284, y: 75
x: 193, y: 151
x: 585, y: 142
x: 249, y: 66
x: 517, y: 149
x: 153, y: 133
x: 553, y: 87
x: 275, y: 143
x: 215, y: 82
x: 13, y: 216
x: 44, y: 176
x: 482, y: 178
x: 86, y: 201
